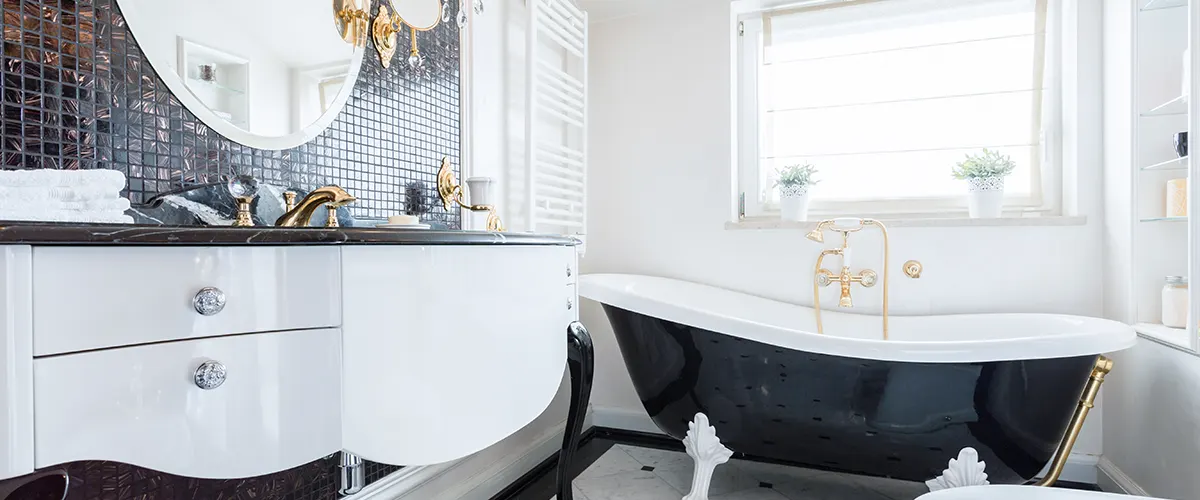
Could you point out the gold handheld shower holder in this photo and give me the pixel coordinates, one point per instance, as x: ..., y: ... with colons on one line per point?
x: 451, y: 193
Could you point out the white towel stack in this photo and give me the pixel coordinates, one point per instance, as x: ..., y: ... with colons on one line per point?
x: 63, y: 196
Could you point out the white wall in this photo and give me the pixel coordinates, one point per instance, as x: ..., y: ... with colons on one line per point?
x: 660, y: 192
x: 1151, y: 432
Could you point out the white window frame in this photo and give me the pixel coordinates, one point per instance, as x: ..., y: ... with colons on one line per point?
x: 1048, y: 175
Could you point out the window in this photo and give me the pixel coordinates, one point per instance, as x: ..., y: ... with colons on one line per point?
x: 885, y: 96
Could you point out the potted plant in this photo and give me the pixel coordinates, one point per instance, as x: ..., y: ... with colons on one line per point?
x: 794, y: 182
x: 985, y: 173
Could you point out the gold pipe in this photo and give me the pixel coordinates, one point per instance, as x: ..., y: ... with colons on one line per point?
x: 886, y: 259
x: 1086, y: 401
x: 817, y: 288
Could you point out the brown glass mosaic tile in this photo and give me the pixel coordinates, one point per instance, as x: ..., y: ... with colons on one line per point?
x: 78, y: 93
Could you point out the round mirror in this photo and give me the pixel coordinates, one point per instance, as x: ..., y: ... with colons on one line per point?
x: 270, y: 74
x: 422, y: 15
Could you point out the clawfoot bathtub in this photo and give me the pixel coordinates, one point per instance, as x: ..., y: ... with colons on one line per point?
x: 1004, y: 385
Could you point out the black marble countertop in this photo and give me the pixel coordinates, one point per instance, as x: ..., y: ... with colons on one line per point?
x: 154, y: 235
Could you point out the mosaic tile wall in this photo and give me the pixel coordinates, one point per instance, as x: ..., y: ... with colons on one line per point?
x: 78, y: 94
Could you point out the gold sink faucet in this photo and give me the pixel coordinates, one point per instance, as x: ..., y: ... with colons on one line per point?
x: 300, y: 215
x: 867, y: 278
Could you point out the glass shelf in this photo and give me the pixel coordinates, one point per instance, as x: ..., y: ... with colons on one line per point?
x: 1176, y: 106
x: 1165, y: 219
x: 198, y: 83
x: 1162, y: 4
x: 1175, y: 164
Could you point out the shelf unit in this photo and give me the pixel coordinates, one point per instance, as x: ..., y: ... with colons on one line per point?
x: 228, y: 95
x: 1160, y: 245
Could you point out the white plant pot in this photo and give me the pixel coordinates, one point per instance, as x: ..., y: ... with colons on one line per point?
x: 793, y: 203
x: 985, y: 197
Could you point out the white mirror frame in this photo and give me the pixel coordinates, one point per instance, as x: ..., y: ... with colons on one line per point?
x: 133, y: 18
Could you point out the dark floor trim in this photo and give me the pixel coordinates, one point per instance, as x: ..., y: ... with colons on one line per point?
x: 538, y: 483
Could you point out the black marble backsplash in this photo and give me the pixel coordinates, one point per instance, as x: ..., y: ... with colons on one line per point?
x: 78, y: 93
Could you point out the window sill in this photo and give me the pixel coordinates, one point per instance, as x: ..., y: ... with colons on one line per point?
x: 776, y: 223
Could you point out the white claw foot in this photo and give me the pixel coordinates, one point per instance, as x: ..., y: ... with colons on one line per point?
x: 705, y: 448
x: 966, y: 470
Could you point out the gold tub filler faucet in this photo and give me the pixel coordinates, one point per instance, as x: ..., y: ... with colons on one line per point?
x: 867, y: 278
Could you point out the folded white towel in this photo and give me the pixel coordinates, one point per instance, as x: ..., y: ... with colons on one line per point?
x: 98, y: 178
x: 97, y: 205
x: 45, y: 194
x: 65, y: 216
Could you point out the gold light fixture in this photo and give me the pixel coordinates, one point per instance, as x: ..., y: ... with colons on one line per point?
x: 419, y: 15
x: 350, y: 18
x: 452, y: 194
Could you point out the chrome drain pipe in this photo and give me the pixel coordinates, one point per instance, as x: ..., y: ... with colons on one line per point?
x: 353, y: 475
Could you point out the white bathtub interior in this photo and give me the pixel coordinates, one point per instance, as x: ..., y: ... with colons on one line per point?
x: 932, y: 339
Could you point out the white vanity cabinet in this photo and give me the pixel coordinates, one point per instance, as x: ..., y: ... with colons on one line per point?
x: 448, y: 350
x: 223, y: 407
x: 406, y: 354
x: 94, y: 298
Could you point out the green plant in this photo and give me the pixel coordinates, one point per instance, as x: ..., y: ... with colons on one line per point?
x: 984, y: 165
x: 796, y: 176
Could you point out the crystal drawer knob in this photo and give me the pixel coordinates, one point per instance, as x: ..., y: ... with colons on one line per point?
x: 570, y: 304
x: 210, y: 375
x: 568, y: 272
x: 209, y: 301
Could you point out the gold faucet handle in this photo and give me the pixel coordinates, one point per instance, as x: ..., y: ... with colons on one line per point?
x: 289, y: 201
x: 867, y: 278
x: 826, y: 277
x: 332, y: 219
x: 244, y: 217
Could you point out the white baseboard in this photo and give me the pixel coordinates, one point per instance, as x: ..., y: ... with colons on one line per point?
x: 478, y: 476
x: 1080, y: 468
x: 1115, y: 480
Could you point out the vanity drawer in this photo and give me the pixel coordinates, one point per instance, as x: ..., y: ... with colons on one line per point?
x: 93, y: 298
x: 279, y: 405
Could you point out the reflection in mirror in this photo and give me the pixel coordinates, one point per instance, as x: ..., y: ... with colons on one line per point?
x: 421, y: 15
x: 267, y: 73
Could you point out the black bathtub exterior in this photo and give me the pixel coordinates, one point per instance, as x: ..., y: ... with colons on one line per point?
x: 879, y: 418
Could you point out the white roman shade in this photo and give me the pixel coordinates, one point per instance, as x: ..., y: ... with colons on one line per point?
x: 884, y: 97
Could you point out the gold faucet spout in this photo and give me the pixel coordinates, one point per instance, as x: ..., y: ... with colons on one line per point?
x: 301, y: 215
x: 846, y: 279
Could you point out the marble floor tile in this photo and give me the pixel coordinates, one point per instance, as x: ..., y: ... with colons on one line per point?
x: 615, y: 461
x: 893, y: 489
x: 576, y: 492
x: 726, y: 478
x: 758, y: 493
x: 828, y: 487
x: 636, y: 485
x: 659, y: 459
x: 774, y: 473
